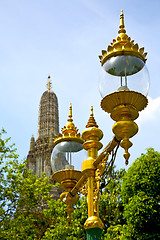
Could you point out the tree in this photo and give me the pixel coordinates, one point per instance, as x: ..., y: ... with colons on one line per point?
x: 141, y: 195
x: 129, y: 204
x: 61, y: 230
x: 111, y: 207
x: 10, y: 175
x: 23, y: 197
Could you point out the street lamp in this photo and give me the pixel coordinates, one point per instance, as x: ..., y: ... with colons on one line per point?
x: 65, y: 146
x: 124, y: 64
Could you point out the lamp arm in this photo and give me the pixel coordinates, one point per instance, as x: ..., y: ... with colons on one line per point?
x: 111, y: 145
x: 78, y: 185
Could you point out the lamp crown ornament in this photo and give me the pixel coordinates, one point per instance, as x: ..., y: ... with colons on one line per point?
x: 70, y: 128
x: 69, y: 131
x: 91, y: 121
x: 122, y: 45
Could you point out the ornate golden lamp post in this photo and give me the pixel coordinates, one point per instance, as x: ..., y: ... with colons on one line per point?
x: 124, y: 61
x: 127, y: 77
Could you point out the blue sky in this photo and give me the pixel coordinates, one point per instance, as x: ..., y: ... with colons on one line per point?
x: 63, y: 39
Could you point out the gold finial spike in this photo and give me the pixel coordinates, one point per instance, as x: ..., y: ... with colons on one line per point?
x: 49, y: 84
x: 122, y: 30
x: 91, y: 121
x: 69, y: 128
x: 70, y: 113
x: 91, y: 111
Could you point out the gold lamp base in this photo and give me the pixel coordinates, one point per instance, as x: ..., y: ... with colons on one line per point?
x: 93, y: 222
x: 68, y: 179
x: 124, y: 107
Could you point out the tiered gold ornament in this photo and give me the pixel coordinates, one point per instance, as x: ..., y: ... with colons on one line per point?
x: 69, y: 131
x: 92, y: 136
x: 123, y: 58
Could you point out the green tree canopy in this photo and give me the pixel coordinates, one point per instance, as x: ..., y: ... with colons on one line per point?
x: 129, y: 203
x: 141, y: 196
x: 23, y: 197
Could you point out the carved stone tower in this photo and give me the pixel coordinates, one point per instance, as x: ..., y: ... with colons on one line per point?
x: 38, y: 159
x: 48, y: 113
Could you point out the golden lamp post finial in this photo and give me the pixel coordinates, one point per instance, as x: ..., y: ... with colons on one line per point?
x: 122, y: 23
x: 70, y: 113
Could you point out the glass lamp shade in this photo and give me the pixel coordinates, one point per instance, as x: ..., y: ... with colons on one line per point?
x: 123, y: 65
x: 63, y: 154
x: 124, y: 73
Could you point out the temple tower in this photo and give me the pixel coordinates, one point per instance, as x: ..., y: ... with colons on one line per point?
x: 48, y: 113
x: 39, y: 156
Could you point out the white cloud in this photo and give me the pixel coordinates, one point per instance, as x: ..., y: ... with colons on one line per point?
x: 151, y: 112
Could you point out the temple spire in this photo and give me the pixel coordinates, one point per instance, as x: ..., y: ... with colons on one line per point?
x: 49, y: 84
x: 48, y: 113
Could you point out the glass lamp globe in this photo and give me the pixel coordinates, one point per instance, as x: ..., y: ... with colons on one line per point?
x: 124, y: 72
x: 63, y: 154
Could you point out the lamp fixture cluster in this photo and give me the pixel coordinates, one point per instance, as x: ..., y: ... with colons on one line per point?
x: 122, y: 60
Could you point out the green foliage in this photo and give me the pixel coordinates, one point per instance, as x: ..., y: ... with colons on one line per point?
x: 61, y: 230
x: 10, y: 178
x: 23, y: 197
x: 141, y: 195
x: 111, y: 207
x: 114, y: 232
x: 143, y: 175
x: 129, y: 204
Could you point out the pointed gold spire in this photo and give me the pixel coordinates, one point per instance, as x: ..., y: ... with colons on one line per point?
x: 49, y: 84
x: 91, y: 121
